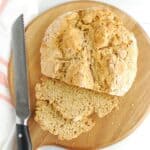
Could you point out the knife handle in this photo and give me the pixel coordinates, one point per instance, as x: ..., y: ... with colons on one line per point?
x: 23, y: 137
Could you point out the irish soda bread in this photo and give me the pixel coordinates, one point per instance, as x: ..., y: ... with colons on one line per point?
x: 50, y: 120
x: 74, y: 103
x: 92, y: 49
x: 89, y: 58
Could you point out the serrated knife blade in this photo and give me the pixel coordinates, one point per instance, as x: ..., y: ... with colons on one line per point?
x: 21, y: 84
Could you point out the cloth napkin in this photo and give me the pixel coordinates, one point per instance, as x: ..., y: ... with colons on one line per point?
x: 9, y: 11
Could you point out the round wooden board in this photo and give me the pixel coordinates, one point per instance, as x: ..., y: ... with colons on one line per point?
x: 133, y: 105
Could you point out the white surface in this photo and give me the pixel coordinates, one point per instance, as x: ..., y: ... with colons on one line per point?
x: 140, y: 10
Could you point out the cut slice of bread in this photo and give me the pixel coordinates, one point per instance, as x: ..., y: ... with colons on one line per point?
x: 50, y: 120
x: 73, y: 102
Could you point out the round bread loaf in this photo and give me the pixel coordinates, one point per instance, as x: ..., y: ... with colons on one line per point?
x: 90, y: 48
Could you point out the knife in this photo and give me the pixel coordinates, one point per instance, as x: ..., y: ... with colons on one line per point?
x: 21, y: 85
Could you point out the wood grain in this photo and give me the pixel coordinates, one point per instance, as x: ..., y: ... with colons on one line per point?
x: 133, y: 105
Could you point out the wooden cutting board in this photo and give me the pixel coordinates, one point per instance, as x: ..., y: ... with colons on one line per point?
x: 133, y: 105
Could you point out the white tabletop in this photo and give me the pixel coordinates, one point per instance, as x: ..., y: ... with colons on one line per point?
x: 140, y: 10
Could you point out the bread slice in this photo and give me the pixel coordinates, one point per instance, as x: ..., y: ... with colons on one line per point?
x: 50, y: 120
x: 73, y: 102
x: 75, y: 50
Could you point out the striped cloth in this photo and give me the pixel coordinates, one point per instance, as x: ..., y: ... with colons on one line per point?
x: 7, y: 114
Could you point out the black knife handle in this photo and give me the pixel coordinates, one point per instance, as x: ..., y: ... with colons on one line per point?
x: 23, y: 137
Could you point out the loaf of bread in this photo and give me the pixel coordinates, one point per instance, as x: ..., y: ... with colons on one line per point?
x: 88, y: 58
x: 90, y: 48
x: 50, y: 120
x: 72, y: 102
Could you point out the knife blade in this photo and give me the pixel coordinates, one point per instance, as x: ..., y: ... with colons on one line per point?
x: 21, y: 84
